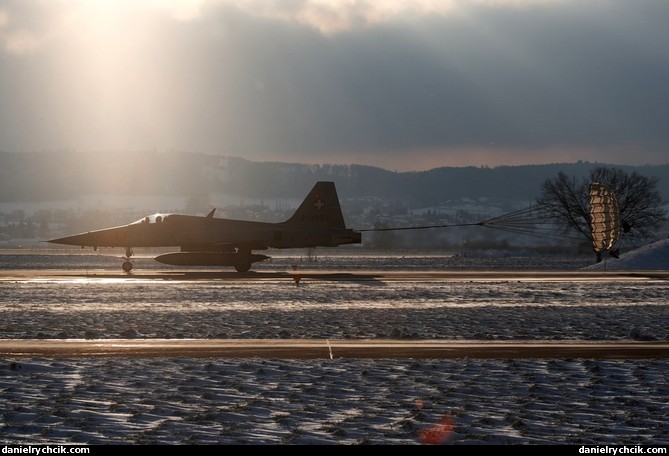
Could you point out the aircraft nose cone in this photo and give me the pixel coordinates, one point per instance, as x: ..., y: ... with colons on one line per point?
x: 110, y: 237
x: 77, y: 239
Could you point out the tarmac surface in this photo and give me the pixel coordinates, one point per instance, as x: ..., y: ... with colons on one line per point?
x: 319, y: 349
x: 326, y: 275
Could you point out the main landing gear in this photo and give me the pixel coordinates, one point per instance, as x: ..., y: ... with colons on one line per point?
x: 127, y: 263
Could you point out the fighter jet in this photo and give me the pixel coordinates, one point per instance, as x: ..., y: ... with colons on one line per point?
x: 211, y: 241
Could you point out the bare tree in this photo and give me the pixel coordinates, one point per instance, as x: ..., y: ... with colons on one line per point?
x: 641, y: 206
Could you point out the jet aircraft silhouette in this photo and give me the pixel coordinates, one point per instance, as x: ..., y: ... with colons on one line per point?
x: 211, y: 241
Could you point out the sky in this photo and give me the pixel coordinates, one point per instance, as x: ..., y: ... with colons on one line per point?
x: 403, y: 85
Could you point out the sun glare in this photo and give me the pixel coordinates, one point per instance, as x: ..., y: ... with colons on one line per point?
x: 116, y: 72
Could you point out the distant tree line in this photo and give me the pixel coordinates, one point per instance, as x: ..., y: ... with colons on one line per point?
x: 59, y: 175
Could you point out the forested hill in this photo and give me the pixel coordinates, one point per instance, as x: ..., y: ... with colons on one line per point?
x: 46, y: 176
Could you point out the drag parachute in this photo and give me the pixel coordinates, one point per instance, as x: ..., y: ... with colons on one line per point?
x: 605, y: 219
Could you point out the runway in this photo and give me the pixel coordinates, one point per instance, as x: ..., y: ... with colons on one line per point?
x: 310, y: 345
x: 327, y: 275
x: 332, y: 349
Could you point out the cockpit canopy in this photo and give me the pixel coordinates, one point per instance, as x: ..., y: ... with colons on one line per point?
x: 153, y: 218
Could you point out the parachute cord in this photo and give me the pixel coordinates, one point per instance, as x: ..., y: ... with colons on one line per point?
x: 533, y: 221
x: 422, y: 227
x: 570, y: 239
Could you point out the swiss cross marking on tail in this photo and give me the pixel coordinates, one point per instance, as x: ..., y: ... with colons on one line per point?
x: 319, y: 203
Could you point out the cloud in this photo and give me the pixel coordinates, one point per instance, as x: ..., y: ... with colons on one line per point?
x: 337, y: 16
x: 15, y: 37
x: 375, y: 82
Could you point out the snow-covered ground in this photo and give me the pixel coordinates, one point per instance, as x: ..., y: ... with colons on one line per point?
x: 334, y: 401
x: 651, y: 256
x: 340, y: 401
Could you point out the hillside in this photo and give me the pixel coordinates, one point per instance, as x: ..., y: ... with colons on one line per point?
x: 62, y: 175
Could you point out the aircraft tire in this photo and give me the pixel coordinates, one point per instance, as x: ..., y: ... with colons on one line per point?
x: 243, y: 267
x: 127, y: 266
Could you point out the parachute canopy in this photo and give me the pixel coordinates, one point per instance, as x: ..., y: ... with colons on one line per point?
x: 605, y: 219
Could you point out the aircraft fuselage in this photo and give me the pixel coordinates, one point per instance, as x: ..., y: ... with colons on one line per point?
x: 192, y: 233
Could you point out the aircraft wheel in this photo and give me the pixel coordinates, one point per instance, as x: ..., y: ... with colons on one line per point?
x: 127, y: 266
x: 242, y: 267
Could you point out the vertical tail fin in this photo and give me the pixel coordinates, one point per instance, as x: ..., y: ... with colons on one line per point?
x: 320, y: 208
